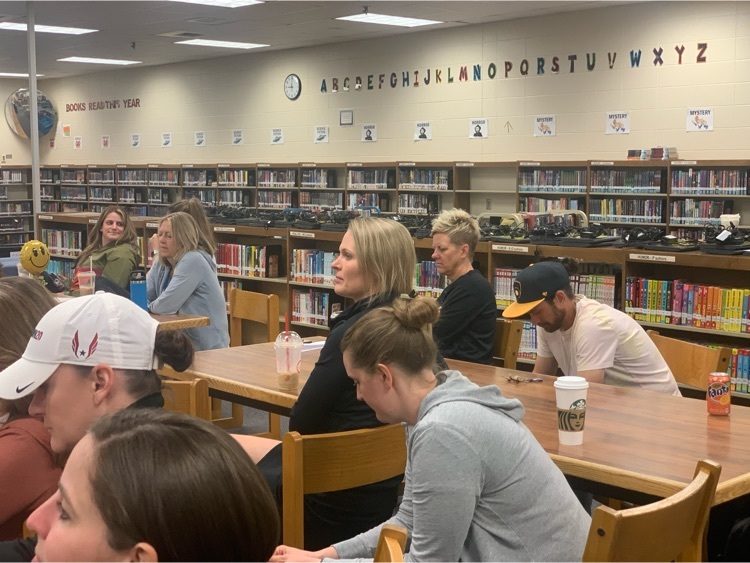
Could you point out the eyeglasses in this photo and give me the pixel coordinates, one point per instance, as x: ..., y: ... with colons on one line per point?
x: 519, y: 379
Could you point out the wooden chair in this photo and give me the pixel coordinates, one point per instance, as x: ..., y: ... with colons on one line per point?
x: 319, y: 463
x: 261, y: 309
x: 691, y: 363
x: 672, y: 529
x: 189, y: 397
x: 391, y: 544
x: 507, y: 342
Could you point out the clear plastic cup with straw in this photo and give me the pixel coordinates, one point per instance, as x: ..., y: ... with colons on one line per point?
x: 288, y: 348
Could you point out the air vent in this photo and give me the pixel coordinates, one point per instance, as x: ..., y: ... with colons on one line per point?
x: 181, y: 34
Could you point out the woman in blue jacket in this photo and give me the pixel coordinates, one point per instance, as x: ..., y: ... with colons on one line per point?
x: 184, y: 280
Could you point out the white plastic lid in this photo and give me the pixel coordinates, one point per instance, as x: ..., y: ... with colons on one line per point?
x: 571, y: 382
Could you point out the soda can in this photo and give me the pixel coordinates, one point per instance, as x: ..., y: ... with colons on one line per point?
x: 718, y: 396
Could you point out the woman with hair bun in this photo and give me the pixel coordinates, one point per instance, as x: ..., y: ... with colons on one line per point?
x: 479, y: 487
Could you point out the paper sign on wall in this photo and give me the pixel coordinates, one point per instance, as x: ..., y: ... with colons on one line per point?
x: 166, y: 140
x: 320, y: 134
x: 423, y: 131
x: 135, y: 140
x: 52, y: 144
x: 545, y: 126
x: 277, y: 136
x: 77, y: 143
x: 617, y: 123
x: 105, y: 141
x: 700, y: 119
x: 369, y: 133
x: 199, y: 138
x: 238, y: 137
x: 66, y: 130
x: 479, y: 128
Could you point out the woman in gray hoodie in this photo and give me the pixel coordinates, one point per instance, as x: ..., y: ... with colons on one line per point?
x: 183, y: 280
x: 479, y: 487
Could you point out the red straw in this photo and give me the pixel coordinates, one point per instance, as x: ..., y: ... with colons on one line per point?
x: 286, y: 322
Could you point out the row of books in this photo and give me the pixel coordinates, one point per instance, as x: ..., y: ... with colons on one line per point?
x: 12, y: 239
x: 62, y: 268
x: 11, y: 176
x: 63, y: 242
x: 15, y: 207
x: 527, y: 348
x: 317, y: 178
x: 627, y: 181
x: 101, y: 176
x: 249, y: 260
x: 312, y: 266
x: 729, y: 182
x: 198, y: 178
x: 540, y: 205
x: 739, y: 370
x: 286, y: 178
x: 238, y: 177
x: 73, y: 176
x: 320, y: 200
x: 164, y: 177
x: 536, y: 180
x: 427, y: 280
x: 601, y: 287
x: 418, y: 203
x: 681, y: 302
x: 226, y: 287
x: 627, y: 210
x: 131, y: 177
x: 698, y: 211
x: 74, y: 192
x: 424, y: 179
x: 275, y: 199
x: 371, y: 179
x: 312, y: 306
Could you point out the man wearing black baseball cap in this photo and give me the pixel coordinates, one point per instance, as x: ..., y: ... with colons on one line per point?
x: 584, y: 337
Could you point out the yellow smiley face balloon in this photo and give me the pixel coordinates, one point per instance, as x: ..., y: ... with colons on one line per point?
x: 34, y: 257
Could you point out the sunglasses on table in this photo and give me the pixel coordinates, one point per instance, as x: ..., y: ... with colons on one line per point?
x: 519, y: 379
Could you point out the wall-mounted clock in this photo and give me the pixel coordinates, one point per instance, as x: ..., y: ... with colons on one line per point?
x: 292, y: 86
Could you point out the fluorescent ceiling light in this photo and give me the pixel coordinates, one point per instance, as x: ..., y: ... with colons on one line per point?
x: 222, y: 3
x: 225, y: 44
x: 46, y: 28
x: 16, y: 75
x: 388, y: 20
x: 98, y: 61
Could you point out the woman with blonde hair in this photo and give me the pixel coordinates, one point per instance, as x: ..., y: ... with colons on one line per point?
x: 28, y: 475
x: 193, y: 207
x: 375, y: 264
x: 184, y: 280
x: 478, y: 486
x: 112, y: 249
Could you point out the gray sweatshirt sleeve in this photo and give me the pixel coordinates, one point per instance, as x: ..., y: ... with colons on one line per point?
x: 438, y: 507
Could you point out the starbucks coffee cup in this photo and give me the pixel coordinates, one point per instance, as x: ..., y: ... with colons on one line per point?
x: 570, y: 392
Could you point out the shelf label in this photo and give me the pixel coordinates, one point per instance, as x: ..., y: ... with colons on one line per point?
x: 92, y: 221
x: 263, y: 165
x: 122, y: 166
x: 407, y: 163
x: 224, y: 229
x: 152, y: 225
x: 45, y: 217
x: 684, y: 162
x: 352, y: 164
x: 602, y: 163
x: 187, y: 165
x: 652, y: 257
x: 93, y: 166
x: 308, y: 165
x: 153, y: 166
x: 301, y: 234
x: 510, y: 248
x: 222, y: 165
x: 529, y: 164
x: 465, y: 164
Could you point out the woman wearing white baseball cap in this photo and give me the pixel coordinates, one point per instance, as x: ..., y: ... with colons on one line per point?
x: 88, y: 357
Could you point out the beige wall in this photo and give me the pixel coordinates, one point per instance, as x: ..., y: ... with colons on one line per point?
x: 245, y: 92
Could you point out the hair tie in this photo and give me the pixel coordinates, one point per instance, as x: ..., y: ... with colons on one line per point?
x: 412, y: 294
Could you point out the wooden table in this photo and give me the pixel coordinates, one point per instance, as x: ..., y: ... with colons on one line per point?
x: 638, y: 445
x: 179, y: 321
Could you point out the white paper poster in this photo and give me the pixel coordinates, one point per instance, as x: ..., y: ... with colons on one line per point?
x: 277, y: 136
x: 77, y: 143
x: 700, y: 119
x: 544, y: 126
x: 52, y: 144
x: 423, y: 131
x: 135, y: 140
x: 105, y: 141
x: 617, y: 123
x: 321, y: 134
x: 238, y: 137
x: 369, y: 133
x: 166, y: 140
x: 479, y: 128
x: 199, y: 138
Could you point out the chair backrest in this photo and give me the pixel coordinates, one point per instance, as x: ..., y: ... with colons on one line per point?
x: 691, y: 363
x: 251, y: 306
x: 391, y: 543
x: 672, y: 529
x: 507, y: 342
x: 319, y: 463
x: 189, y: 397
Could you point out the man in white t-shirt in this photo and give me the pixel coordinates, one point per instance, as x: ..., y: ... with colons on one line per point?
x: 584, y: 337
